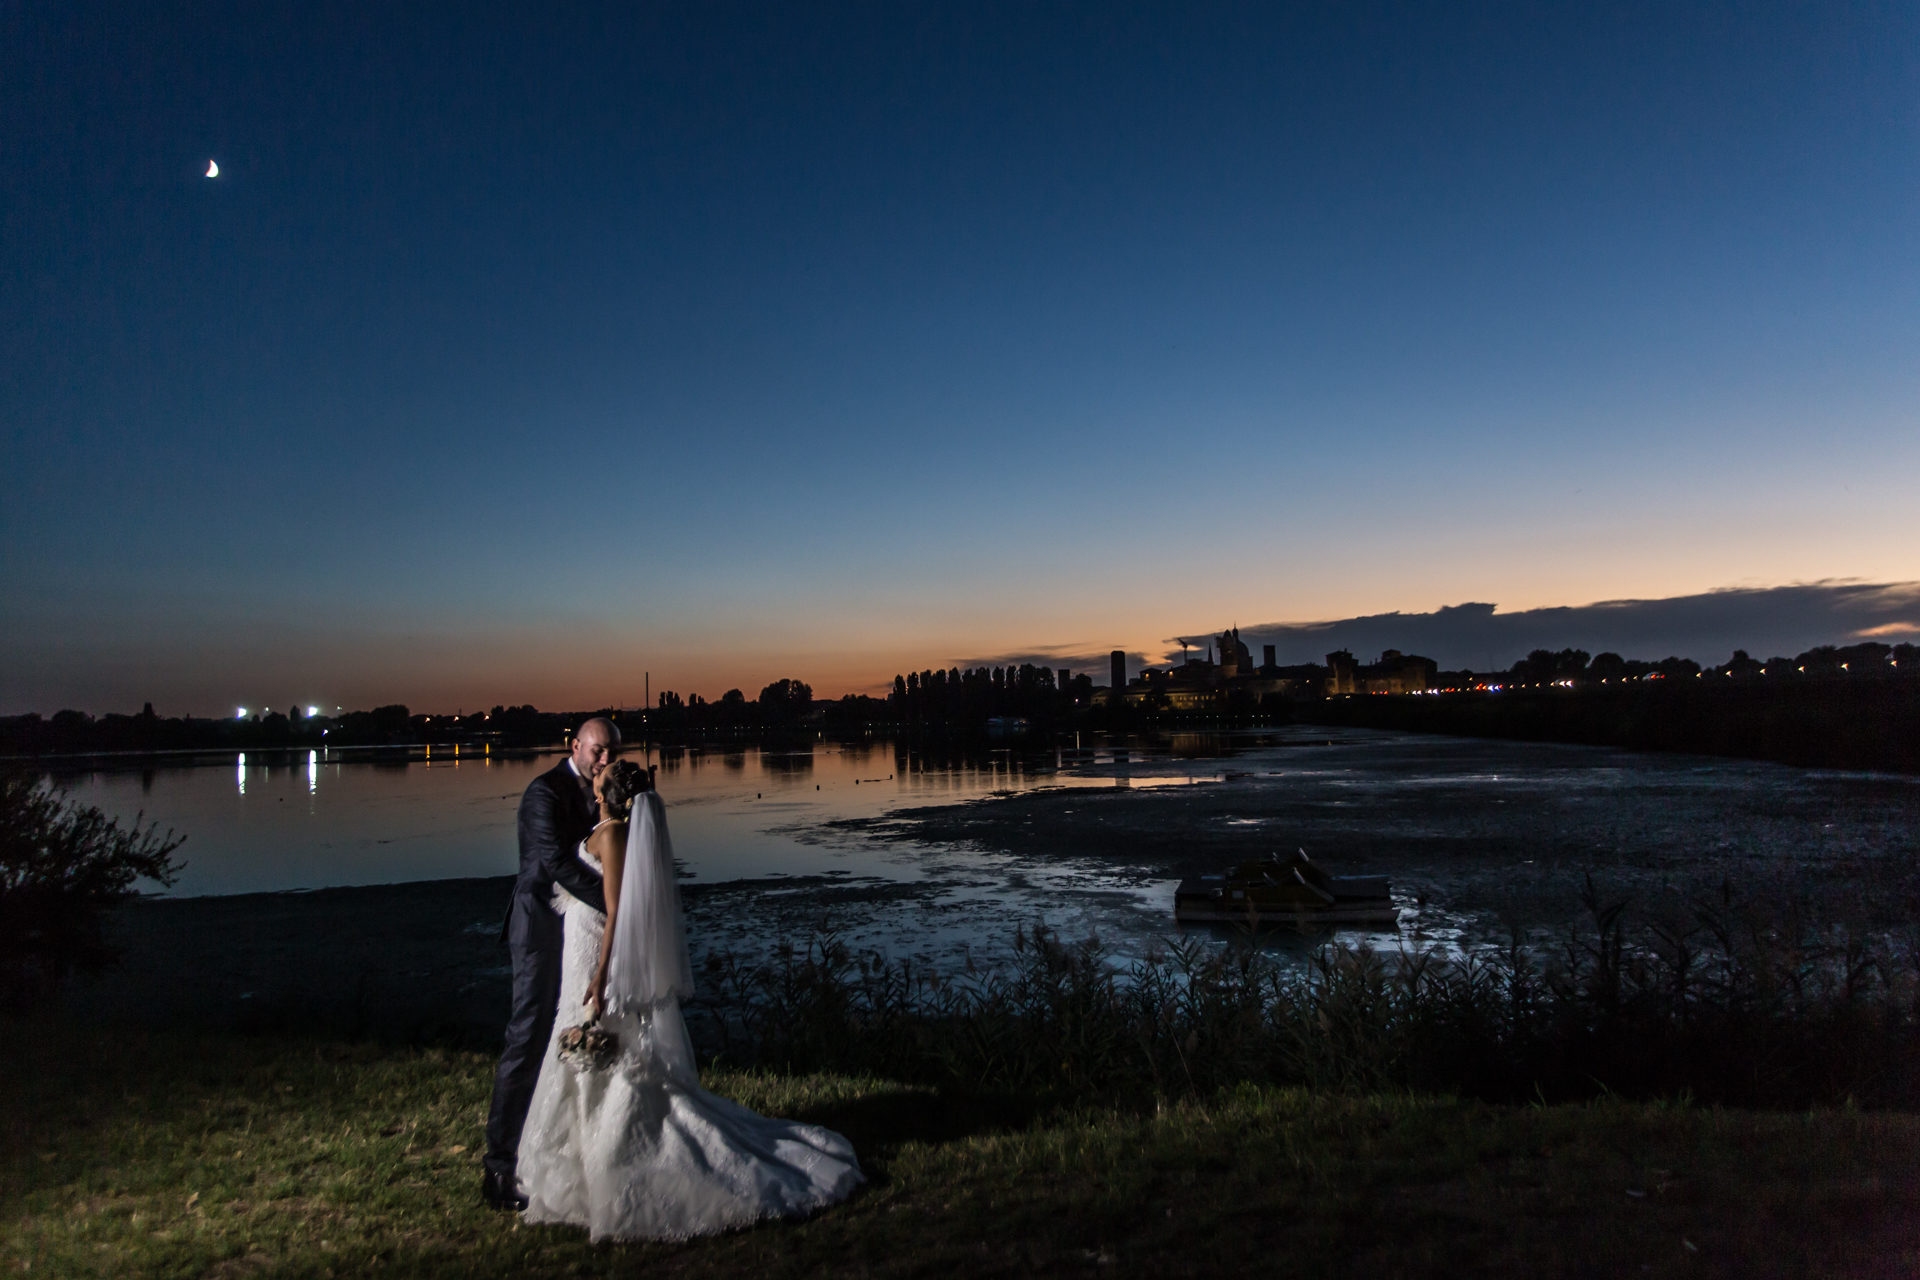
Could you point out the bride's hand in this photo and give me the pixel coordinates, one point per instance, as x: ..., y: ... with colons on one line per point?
x: 596, y: 996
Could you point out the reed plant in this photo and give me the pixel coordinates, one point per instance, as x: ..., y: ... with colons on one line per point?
x: 1727, y: 1003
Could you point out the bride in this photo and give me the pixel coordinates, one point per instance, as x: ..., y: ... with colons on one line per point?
x: 636, y: 1149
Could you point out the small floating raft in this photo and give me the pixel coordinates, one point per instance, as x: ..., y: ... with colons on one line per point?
x: 1284, y: 891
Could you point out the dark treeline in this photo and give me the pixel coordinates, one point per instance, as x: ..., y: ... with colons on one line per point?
x: 75, y: 732
x: 783, y: 706
x: 980, y: 694
x: 1869, y: 723
x: 1825, y: 663
x: 1852, y: 707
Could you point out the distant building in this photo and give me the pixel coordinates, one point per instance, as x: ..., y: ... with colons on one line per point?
x: 1234, y: 656
x: 1396, y: 672
x: 1211, y: 683
x: 1119, y: 672
x: 1205, y: 684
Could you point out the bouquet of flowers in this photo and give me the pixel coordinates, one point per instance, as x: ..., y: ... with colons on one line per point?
x: 588, y: 1047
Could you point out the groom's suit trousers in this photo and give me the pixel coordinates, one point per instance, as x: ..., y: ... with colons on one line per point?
x: 534, y: 938
x: 555, y: 815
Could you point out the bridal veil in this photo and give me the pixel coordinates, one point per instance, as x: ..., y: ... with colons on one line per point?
x: 648, y: 964
x: 638, y: 1150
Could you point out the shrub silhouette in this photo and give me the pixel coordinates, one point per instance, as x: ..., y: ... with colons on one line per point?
x: 61, y: 865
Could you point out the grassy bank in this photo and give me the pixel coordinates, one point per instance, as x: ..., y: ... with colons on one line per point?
x: 164, y: 1155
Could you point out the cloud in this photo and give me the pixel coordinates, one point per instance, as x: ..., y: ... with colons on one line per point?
x: 1765, y: 621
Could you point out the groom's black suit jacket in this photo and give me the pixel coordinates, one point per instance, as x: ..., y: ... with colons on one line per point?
x: 556, y: 814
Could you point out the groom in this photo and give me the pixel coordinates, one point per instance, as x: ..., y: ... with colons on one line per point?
x: 556, y: 814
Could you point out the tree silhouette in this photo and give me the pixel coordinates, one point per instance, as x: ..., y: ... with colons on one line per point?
x: 61, y: 865
x: 784, y: 702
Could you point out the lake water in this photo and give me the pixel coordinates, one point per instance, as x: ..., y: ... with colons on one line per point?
x: 859, y: 838
x: 316, y: 819
x: 748, y: 822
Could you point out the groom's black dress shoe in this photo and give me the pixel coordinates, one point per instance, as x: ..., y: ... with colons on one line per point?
x: 500, y: 1191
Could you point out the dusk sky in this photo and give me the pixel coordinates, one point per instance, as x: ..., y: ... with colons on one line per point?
x: 514, y: 353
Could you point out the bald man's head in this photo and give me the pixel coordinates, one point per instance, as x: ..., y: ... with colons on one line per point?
x: 597, y: 742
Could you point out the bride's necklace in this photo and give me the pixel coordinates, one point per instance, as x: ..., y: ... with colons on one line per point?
x: 605, y: 822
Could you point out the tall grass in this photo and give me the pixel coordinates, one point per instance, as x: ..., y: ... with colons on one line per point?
x: 1729, y: 1005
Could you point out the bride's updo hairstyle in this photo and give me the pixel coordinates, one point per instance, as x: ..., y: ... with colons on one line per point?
x: 625, y: 780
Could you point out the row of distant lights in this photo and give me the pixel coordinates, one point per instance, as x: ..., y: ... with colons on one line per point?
x: 242, y: 713
x: 1568, y: 684
x: 1892, y: 662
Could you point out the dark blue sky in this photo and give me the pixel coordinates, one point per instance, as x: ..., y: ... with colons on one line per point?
x: 736, y: 342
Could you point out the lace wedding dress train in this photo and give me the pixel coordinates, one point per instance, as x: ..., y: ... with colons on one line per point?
x: 638, y: 1150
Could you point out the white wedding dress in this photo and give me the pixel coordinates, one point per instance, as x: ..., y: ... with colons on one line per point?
x: 638, y: 1150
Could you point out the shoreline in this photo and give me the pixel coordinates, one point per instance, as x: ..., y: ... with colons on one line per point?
x: 1478, y: 850
x: 417, y: 961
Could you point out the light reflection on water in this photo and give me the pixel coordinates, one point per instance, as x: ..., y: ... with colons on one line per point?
x: 744, y: 817
x: 738, y: 814
x: 1466, y: 829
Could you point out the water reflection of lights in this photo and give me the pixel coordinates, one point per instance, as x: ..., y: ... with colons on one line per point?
x: 240, y: 773
x: 1452, y: 823
x: 313, y: 772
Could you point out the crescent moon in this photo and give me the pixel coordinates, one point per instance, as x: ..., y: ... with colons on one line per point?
x: 213, y: 169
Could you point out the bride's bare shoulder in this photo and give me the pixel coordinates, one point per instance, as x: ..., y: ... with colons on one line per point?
x: 610, y: 836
